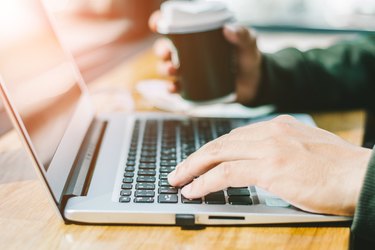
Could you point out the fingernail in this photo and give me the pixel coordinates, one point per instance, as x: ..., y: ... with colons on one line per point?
x: 232, y: 27
x: 186, y: 190
x: 171, y: 176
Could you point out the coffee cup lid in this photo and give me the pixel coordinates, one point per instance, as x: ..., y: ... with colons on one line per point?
x: 179, y: 17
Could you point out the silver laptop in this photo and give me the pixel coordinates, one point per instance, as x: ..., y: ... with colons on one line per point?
x: 112, y: 168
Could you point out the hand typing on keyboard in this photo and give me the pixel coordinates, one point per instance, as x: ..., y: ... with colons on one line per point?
x: 308, y: 167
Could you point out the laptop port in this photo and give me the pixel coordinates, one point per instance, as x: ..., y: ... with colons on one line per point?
x: 226, y: 217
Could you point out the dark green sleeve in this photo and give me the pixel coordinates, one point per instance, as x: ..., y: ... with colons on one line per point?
x: 341, y: 76
x: 363, y: 226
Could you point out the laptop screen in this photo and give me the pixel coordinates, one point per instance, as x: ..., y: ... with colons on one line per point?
x: 40, y: 79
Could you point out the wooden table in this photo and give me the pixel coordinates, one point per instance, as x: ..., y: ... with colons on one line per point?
x: 28, y: 221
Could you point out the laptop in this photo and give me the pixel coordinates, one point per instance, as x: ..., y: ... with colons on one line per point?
x: 112, y: 168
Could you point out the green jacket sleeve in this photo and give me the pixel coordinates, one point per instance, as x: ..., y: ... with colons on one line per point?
x: 363, y: 226
x: 339, y: 77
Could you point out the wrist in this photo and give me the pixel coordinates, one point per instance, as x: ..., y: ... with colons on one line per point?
x: 356, y: 180
x: 263, y: 92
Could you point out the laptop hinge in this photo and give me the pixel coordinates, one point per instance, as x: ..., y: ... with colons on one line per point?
x: 84, y: 164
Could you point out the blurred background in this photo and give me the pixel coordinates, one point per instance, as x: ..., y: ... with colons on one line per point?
x: 318, y: 15
x: 102, y: 33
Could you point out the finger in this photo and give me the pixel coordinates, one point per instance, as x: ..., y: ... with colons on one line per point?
x: 239, y: 36
x: 174, y: 87
x: 153, y: 20
x: 162, y: 49
x: 249, y: 60
x: 248, y: 53
x: 227, y: 174
x: 214, y: 153
x: 211, y: 155
x: 166, y: 69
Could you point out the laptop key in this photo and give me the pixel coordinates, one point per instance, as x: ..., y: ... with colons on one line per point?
x: 169, y: 151
x: 147, y: 160
x: 167, y: 198
x: 193, y: 201
x: 143, y: 199
x: 129, y: 174
x: 149, y: 149
x: 164, y: 183
x: 132, y: 152
x: 238, y: 192
x: 169, y: 163
x: 144, y: 193
x: 168, y: 190
x: 215, y: 198
x: 166, y: 169
x: 126, y: 192
x: 129, y: 169
x: 169, y: 141
x: 126, y: 186
x: 168, y: 144
x: 240, y: 200
x: 149, y: 141
x: 147, y: 172
x: 168, y: 157
x: 145, y: 186
x: 163, y: 176
x: 127, y: 180
x: 131, y: 158
x: 124, y: 199
x: 130, y: 163
x: 148, y: 154
x: 146, y: 179
x: 147, y: 166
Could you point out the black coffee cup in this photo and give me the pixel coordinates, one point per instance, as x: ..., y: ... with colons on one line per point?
x: 203, y: 56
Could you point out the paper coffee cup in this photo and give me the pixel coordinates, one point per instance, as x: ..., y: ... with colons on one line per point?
x: 203, y: 56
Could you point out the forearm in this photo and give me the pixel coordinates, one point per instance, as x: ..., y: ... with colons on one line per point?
x: 342, y: 76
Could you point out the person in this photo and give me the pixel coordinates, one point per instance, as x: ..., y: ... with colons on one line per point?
x: 308, y: 167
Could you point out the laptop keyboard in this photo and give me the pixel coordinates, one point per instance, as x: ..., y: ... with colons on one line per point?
x: 157, y: 146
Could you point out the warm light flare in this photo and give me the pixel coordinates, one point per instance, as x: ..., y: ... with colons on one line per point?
x: 14, y: 14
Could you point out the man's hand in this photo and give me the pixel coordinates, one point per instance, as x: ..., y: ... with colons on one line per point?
x: 247, y: 55
x: 308, y: 167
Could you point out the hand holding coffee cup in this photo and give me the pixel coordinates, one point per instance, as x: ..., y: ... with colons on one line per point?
x: 200, y: 51
x: 247, y: 55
